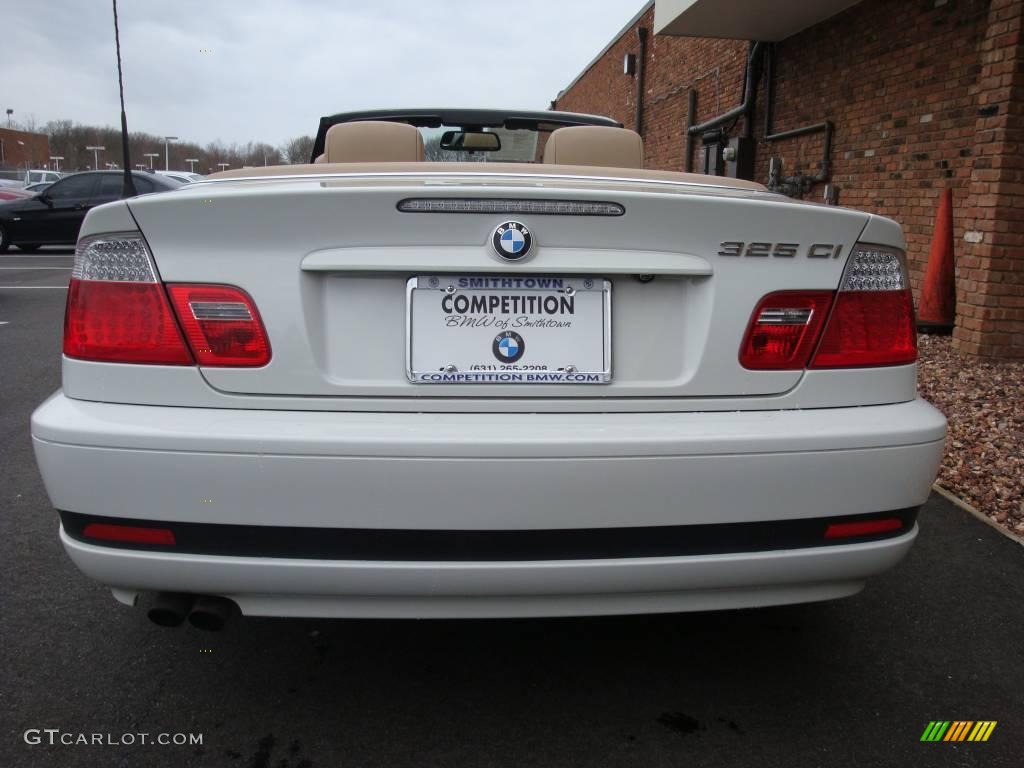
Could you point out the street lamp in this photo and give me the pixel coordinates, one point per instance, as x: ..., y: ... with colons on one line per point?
x: 56, y: 159
x: 9, y: 113
x: 223, y: 166
x: 191, y: 163
x: 96, y: 155
x: 167, y: 151
x: 151, y: 155
x: 141, y: 166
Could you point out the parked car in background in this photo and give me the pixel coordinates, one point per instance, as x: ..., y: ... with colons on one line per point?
x: 35, y: 177
x: 13, y: 193
x: 55, y: 216
x: 185, y: 177
x: 21, y: 178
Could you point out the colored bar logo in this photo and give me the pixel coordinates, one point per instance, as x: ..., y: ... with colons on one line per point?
x: 958, y: 730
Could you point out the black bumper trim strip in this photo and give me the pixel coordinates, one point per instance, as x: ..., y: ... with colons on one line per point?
x: 479, y: 545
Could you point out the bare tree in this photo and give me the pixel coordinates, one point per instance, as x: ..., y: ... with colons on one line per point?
x: 297, y: 150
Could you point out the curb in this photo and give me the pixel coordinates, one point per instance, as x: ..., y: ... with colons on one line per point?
x: 957, y: 501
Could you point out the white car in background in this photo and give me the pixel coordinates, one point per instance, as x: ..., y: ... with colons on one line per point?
x: 185, y: 177
x: 539, y: 381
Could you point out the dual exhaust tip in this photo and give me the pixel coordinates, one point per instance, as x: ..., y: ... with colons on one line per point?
x: 171, y: 609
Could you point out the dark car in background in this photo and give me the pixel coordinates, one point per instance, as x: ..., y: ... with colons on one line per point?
x: 54, y: 216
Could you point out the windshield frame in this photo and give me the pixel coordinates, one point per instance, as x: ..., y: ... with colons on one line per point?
x: 466, y: 119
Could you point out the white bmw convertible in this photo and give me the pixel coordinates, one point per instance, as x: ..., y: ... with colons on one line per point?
x: 481, y: 364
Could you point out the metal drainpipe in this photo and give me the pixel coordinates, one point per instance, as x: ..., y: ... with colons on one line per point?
x: 641, y: 33
x: 690, y: 113
x: 749, y: 94
x: 769, y: 99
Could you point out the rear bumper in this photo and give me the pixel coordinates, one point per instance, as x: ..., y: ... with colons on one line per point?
x: 499, y: 472
x: 375, y: 589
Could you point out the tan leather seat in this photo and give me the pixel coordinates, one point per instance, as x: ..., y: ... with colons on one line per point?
x: 373, y: 141
x: 595, y: 145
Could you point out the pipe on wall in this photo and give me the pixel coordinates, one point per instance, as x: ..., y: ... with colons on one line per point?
x: 641, y: 34
x: 800, y: 182
x: 746, y: 107
x: 691, y: 112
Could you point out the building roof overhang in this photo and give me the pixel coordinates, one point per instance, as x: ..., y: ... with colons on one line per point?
x: 768, y: 20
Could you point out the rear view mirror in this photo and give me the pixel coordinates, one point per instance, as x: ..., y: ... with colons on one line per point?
x: 470, y: 141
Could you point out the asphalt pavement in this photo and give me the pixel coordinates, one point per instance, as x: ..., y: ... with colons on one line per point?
x: 847, y: 683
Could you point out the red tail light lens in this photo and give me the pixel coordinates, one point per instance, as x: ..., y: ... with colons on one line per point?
x: 129, y: 533
x: 869, y: 328
x: 784, y: 330
x: 222, y: 325
x: 862, y: 528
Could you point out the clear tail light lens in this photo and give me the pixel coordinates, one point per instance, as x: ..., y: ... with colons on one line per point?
x: 784, y: 330
x: 222, y: 325
x: 872, y: 322
x: 117, y: 310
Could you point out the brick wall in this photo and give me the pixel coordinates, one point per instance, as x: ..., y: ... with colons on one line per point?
x: 990, y: 279
x: 36, y: 149
x: 924, y: 95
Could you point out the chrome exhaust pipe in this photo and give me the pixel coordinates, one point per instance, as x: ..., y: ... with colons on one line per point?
x: 211, y: 613
x: 169, y: 609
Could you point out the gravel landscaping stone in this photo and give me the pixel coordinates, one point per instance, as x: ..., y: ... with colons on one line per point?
x: 984, y: 402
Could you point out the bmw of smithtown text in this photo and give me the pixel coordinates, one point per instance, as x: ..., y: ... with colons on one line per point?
x: 470, y: 363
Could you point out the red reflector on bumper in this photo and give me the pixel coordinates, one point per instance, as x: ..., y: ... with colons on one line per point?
x: 129, y: 533
x: 862, y: 528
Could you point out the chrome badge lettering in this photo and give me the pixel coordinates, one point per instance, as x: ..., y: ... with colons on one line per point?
x: 778, y: 250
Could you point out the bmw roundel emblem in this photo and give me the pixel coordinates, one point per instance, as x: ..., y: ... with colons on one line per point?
x: 508, y: 347
x: 512, y: 240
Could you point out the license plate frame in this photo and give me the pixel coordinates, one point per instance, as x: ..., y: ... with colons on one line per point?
x: 595, y: 290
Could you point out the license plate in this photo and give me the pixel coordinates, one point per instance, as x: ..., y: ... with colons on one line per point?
x: 487, y: 329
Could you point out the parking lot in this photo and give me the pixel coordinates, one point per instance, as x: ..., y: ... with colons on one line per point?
x: 849, y: 683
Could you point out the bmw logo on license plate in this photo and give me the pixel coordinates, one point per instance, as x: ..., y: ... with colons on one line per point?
x: 512, y: 240
x: 508, y: 346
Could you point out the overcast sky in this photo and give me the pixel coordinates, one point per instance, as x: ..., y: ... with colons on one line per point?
x: 276, y: 66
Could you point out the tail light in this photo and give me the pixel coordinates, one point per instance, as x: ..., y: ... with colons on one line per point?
x: 872, y: 322
x: 784, y: 330
x: 118, y: 311
x: 868, y: 322
x: 221, y: 324
x: 129, y: 533
x: 862, y: 528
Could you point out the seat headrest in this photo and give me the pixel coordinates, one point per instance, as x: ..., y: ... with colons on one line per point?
x: 595, y: 145
x: 321, y: 158
x: 373, y: 141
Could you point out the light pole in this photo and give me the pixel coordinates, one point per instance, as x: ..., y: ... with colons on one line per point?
x: 141, y: 166
x: 24, y: 152
x: 9, y: 113
x: 191, y: 163
x: 223, y: 166
x: 151, y: 155
x: 56, y: 159
x: 167, y: 151
x: 96, y: 156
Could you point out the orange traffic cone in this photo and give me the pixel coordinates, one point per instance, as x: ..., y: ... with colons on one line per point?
x: 937, y: 308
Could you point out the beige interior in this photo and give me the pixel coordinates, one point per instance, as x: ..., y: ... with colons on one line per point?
x: 595, y: 145
x: 373, y: 141
x: 321, y: 158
